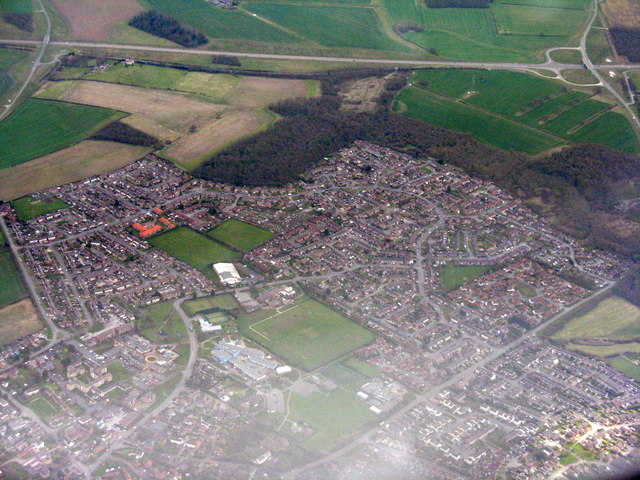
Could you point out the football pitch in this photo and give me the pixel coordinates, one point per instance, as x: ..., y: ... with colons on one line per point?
x: 307, y: 334
x: 240, y: 235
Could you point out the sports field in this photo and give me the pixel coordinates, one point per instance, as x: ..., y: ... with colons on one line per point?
x: 12, y: 287
x: 193, y: 248
x: 240, y: 235
x: 29, y: 207
x: 224, y: 302
x: 614, y: 318
x: 40, y: 127
x: 452, y: 276
x: 18, y: 320
x: 308, y: 334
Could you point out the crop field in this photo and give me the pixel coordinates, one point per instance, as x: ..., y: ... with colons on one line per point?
x: 539, y: 21
x: 332, y: 415
x: 501, y: 132
x: 453, y: 276
x: 84, y: 160
x: 308, y: 334
x: 240, y: 235
x: 611, y: 129
x: 18, y: 320
x: 563, y: 123
x: 29, y: 207
x: 160, y: 323
x: 614, y: 318
x: 39, y: 127
x: 12, y: 287
x: 224, y: 302
x: 193, y: 248
x: 622, y: 13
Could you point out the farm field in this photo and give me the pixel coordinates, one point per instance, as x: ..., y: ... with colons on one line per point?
x: 614, y: 318
x: 333, y: 415
x: 12, y: 287
x: 224, y: 302
x: 546, y: 106
x: 622, y: 13
x: 83, y: 160
x: 240, y: 235
x: 308, y: 334
x: 18, y: 320
x: 30, y: 207
x: 193, y: 248
x: 43, y: 127
x: 160, y: 323
x: 453, y: 276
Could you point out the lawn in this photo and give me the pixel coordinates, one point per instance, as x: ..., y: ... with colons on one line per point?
x: 486, y: 127
x: 12, y: 287
x: 452, y: 276
x: 607, y: 350
x: 18, y: 320
x: 240, y: 235
x: 118, y: 372
x: 308, y: 335
x: 160, y: 323
x: 224, y: 302
x: 42, y: 408
x: 40, y: 127
x: 30, y: 207
x: 193, y: 248
x: 613, y: 318
x: 333, y: 415
x: 624, y: 365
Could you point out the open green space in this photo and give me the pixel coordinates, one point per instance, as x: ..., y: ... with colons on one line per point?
x: 567, y: 459
x: 452, y: 275
x: 10, y: 61
x: 118, y: 372
x: 30, y: 207
x: 345, y: 376
x: 223, y: 302
x: 12, y: 288
x: 160, y: 323
x: 39, y: 127
x: 333, y: 415
x: 241, y: 235
x: 613, y: 318
x: 606, y: 350
x: 624, y: 365
x: 193, y: 248
x: 42, y: 408
x: 308, y: 334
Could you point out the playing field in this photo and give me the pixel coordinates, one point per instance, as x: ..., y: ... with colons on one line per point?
x: 84, y: 160
x: 224, y: 302
x: 307, y: 335
x: 29, y: 207
x: 40, y: 127
x: 193, y: 248
x: 12, y: 287
x: 160, y: 323
x: 452, y: 276
x: 240, y: 235
x: 614, y: 318
x: 18, y: 320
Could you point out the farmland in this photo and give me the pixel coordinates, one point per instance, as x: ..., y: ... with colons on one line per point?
x: 453, y: 276
x: 240, y: 235
x: 18, y: 320
x: 43, y: 127
x: 29, y: 207
x: 10, y: 63
x: 12, y: 287
x: 514, y: 110
x: 308, y: 334
x: 193, y: 249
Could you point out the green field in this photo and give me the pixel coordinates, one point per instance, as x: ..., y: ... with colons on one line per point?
x: 12, y: 287
x: 333, y: 415
x: 613, y: 318
x: 308, y: 335
x: 118, y: 372
x: 10, y: 61
x: 240, y: 235
x: 350, y: 374
x: 39, y: 127
x: 193, y: 248
x: 452, y: 276
x: 223, y: 302
x: 160, y: 323
x: 624, y: 365
x: 42, y: 408
x: 513, y: 110
x: 29, y: 207
x: 606, y: 350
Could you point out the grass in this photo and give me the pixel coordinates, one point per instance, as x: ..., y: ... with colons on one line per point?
x: 240, y: 235
x: 224, y: 302
x: 18, y: 320
x: 626, y: 366
x: 12, y: 287
x: 118, y: 372
x: 614, y: 318
x: 160, y: 323
x: 42, y: 408
x: 606, y: 350
x: 40, y: 127
x: 567, y: 459
x: 452, y: 276
x: 332, y: 415
x: 308, y: 334
x: 10, y: 61
x: 30, y: 207
x: 193, y: 248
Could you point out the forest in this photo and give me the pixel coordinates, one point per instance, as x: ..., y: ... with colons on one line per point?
x: 627, y: 42
x: 23, y: 21
x: 164, y: 26
x: 575, y: 188
x: 123, y: 133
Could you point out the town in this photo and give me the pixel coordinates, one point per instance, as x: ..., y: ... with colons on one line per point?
x: 383, y: 315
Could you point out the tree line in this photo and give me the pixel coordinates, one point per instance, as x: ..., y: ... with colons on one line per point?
x: 165, y: 26
x: 23, y: 21
x: 123, y: 133
x: 627, y: 42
